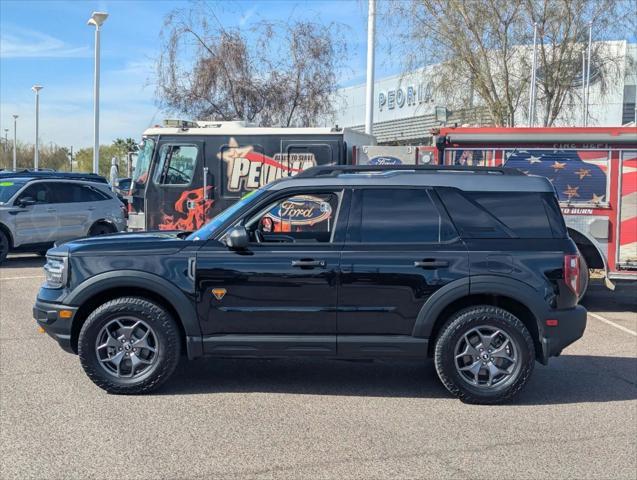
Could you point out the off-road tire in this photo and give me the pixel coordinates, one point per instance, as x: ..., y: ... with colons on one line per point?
x: 460, y: 323
x: 4, y: 246
x: 164, y: 327
x: 584, y: 278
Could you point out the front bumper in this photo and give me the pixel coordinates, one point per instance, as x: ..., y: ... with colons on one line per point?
x: 571, y: 324
x: 47, y: 315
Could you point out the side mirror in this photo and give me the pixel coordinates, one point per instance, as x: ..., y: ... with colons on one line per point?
x: 237, y: 238
x: 25, y: 202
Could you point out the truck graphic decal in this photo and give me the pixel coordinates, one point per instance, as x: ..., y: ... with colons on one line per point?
x: 247, y: 169
x: 190, y: 211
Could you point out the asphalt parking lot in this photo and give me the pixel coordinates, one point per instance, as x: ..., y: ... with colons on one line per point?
x: 315, y: 419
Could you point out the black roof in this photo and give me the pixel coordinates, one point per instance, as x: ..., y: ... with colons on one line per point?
x: 39, y: 174
x: 464, y: 178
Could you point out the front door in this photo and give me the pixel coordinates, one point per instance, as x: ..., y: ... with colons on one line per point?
x: 36, y: 223
x: 285, y: 282
x: 400, y: 249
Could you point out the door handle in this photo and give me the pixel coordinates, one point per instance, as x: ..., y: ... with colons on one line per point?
x: 428, y: 264
x: 91, y: 209
x: 50, y: 209
x: 308, y: 263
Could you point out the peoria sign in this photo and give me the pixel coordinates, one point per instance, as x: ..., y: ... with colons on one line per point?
x: 247, y: 169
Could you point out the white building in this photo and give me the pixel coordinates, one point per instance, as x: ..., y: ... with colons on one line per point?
x: 407, y: 106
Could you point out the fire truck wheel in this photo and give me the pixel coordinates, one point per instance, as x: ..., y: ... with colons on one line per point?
x: 584, y: 277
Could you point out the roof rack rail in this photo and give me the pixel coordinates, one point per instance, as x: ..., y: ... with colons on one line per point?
x: 335, y: 170
x: 27, y: 173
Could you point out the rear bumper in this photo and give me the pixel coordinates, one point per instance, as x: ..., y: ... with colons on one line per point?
x: 47, y: 316
x: 571, y: 324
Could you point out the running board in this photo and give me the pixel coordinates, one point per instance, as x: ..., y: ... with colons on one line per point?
x: 342, y: 346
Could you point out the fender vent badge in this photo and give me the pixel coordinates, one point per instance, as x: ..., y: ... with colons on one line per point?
x: 219, y: 293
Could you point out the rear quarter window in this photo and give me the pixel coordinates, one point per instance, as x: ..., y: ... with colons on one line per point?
x: 504, y: 214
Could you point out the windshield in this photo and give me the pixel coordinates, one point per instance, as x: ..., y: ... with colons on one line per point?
x: 208, y: 229
x: 8, y: 188
x: 145, y: 154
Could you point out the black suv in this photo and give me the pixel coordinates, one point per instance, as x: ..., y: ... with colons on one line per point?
x: 472, y: 267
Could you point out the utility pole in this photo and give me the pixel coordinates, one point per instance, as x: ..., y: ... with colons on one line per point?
x: 583, y: 88
x: 532, y: 89
x: 369, y: 102
x: 15, y: 143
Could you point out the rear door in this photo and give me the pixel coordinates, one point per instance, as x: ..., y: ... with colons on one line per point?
x: 76, y: 205
x: 400, y: 249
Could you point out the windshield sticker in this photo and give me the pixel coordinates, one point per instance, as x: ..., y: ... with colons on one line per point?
x: 301, y: 210
x: 6, y: 184
x: 249, y: 170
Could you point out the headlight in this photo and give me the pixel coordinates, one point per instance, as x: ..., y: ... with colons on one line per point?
x: 56, y: 271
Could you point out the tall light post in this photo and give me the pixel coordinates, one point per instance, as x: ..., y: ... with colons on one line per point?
x: 36, y: 155
x: 97, y: 19
x: 15, y: 143
x: 369, y: 102
x: 533, y: 79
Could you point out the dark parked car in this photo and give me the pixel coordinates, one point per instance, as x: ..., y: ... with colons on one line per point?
x: 472, y: 267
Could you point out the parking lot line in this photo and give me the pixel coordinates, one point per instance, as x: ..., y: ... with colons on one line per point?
x: 21, y: 278
x: 613, y: 324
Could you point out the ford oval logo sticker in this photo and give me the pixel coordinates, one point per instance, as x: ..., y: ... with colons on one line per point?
x: 301, y: 210
x: 385, y: 160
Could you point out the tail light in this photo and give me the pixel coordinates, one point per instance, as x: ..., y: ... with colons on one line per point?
x: 571, y: 272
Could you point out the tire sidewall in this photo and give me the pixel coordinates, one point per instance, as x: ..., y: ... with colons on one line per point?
x: 160, y: 322
x: 4, y: 246
x: 491, y: 317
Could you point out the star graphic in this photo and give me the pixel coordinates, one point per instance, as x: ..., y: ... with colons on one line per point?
x: 583, y: 172
x: 571, y: 192
x: 533, y: 160
x: 559, y: 165
x: 233, y: 151
x: 597, y: 198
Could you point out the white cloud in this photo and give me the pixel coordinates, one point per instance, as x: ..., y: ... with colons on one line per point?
x: 22, y: 43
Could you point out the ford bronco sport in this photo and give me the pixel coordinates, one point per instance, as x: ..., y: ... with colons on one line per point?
x: 472, y: 267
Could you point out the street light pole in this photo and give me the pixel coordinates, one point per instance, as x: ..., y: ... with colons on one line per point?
x: 97, y: 19
x: 369, y: 102
x: 36, y: 156
x: 15, y: 143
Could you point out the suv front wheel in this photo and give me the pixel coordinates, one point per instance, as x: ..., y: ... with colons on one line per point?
x: 484, y: 355
x: 129, y: 345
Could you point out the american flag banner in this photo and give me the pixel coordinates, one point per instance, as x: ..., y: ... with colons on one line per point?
x: 579, y: 176
x: 628, y: 214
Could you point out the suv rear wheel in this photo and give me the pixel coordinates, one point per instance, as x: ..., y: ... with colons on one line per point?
x: 484, y: 355
x: 129, y: 345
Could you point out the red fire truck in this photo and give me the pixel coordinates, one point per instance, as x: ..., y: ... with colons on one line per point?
x: 594, y: 171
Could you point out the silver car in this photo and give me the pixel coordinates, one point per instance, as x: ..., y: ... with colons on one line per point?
x: 36, y: 212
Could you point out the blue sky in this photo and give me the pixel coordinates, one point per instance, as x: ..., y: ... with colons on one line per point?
x: 48, y: 42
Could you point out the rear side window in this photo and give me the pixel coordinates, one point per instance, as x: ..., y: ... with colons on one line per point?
x: 503, y: 214
x: 75, y: 193
x: 401, y: 216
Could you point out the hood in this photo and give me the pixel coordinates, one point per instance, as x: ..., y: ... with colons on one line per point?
x: 127, y: 243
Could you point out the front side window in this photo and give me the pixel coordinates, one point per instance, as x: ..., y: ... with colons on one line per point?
x: 176, y: 164
x: 401, y: 216
x: 306, y: 218
x: 40, y: 192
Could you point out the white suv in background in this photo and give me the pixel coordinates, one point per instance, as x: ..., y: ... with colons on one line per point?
x: 38, y: 210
